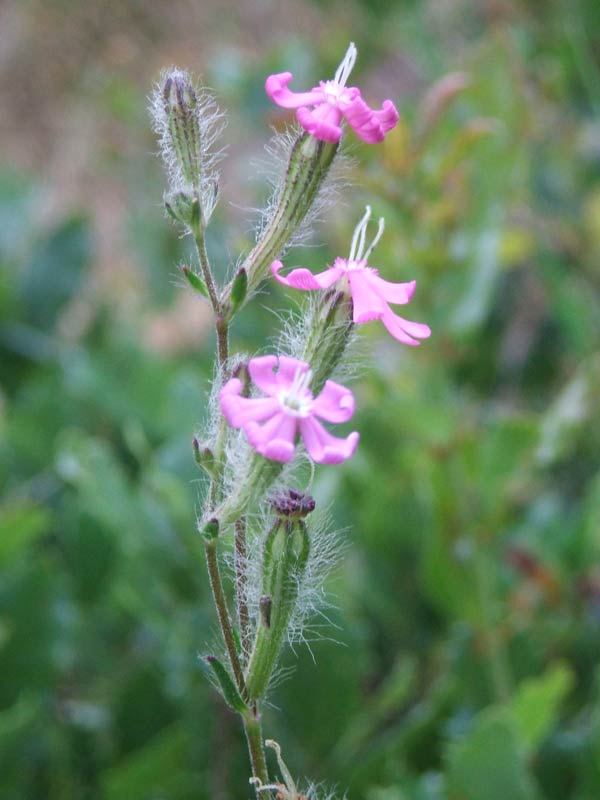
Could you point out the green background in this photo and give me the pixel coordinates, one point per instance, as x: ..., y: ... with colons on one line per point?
x: 461, y: 655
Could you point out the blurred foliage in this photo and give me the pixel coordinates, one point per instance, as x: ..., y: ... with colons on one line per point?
x: 460, y: 660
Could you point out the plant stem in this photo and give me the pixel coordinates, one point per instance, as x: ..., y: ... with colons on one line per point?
x: 253, y: 730
x: 198, y: 234
x: 216, y: 585
x: 240, y: 584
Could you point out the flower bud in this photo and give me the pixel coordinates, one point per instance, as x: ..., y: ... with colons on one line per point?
x: 180, y: 104
x: 285, y: 555
x: 308, y: 167
x: 330, y: 330
x: 290, y: 503
x: 189, y: 125
x: 184, y: 207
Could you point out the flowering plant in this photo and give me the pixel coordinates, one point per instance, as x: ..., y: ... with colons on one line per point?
x: 268, y: 410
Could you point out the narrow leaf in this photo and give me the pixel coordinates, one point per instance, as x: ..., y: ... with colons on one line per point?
x: 239, y: 289
x: 195, y: 281
x: 228, y: 689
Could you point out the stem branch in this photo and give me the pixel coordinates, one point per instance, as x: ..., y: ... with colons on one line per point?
x: 240, y: 583
x: 216, y: 585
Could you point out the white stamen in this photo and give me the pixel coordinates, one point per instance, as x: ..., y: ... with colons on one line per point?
x: 347, y: 64
x: 359, y: 236
x: 378, y: 236
x: 297, y: 400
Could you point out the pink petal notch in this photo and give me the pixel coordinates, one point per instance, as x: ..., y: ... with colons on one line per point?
x: 273, y: 422
x: 321, y: 111
x: 371, y: 295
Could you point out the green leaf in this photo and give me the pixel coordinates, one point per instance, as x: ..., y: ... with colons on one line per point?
x: 536, y: 704
x: 155, y: 770
x: 21, y: 525
x: 52, y: 277
x: 488, y: 764
x: 195, y: 281
x: 228, y: 689
x: 239, y: 289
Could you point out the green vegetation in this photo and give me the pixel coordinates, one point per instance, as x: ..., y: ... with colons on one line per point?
x: 460, y: 657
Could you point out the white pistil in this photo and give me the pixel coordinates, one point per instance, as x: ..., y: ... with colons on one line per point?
x: 359, y: 231
x: 297, y: 400
x: 378, y: 235
x: 347, y: 64
x: 357, y: 248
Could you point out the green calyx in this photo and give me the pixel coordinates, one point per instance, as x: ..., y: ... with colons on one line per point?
x: 254, y: 481
x: 285, y: 556
x: 308, y: 166
x: 329, y: 335
x: 181, y: 102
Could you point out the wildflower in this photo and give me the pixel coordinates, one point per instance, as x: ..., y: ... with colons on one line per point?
x: 321, y: 110
x: 271, y: 423
x: 370, y: 294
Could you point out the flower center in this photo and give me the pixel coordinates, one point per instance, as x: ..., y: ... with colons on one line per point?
x: 351, y: 266
x: 297, y: 399
x: 332, y: 91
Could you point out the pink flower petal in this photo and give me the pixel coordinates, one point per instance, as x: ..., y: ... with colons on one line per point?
x: 276, y: 89
x: 274, y: 439
x: 304, y: 278
x: 271, y: 374
x: 367, y: 303
x: 322, y: 122
x: 238, y: 411
x: 399, y: 293
x: 324, y: 448
x: 335, y: 403
x: 229, y: 398
x: 370, y: 125
x: 288, y: 369
x: 388, y: 116
x: 403, y: 330
x: 261, y: 370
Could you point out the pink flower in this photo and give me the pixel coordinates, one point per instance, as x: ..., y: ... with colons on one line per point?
x: 370, y: 294
x: 271, y: 423
x: 320, y: 111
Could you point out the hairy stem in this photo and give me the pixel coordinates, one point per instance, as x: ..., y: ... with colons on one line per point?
x: 253, y: 730
x: 198, y: 234
x: 240, y: 584
x: 216, y: 584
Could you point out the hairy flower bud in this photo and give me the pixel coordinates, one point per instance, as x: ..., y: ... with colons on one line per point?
x: 290, y: 503
x: 308, y: 167
x: 285, y: 555
x: 180, y: 103
x: 188, y: 124
x: 183, y: 206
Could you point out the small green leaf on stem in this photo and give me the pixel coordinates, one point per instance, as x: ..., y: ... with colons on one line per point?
x: 195, y: 281
x: 239, y: 288
x: 204, y: 457
x: 230, y: 693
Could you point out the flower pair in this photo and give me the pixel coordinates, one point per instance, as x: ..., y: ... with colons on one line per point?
x: 272, y: 423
